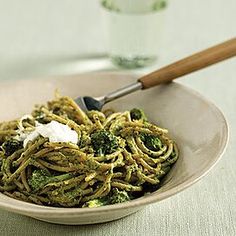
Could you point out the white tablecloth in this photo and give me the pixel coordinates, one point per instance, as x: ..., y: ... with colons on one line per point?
x: 41, y: 38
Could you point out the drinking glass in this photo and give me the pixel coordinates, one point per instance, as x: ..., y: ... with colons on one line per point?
x: 134, y: 30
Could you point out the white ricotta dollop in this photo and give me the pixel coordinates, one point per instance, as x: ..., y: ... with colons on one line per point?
x: 54, y: 131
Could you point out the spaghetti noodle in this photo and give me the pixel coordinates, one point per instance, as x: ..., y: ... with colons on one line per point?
x: 119, y: 156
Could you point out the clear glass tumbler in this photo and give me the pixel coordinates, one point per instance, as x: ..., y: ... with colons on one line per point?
x: 134, y: 30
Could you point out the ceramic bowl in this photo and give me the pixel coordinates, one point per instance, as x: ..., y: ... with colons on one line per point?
x: 196, y: 124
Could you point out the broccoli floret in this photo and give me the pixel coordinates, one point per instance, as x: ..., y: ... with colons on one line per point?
x: 95, y: 203
x: 40, y: 178
x: 151, y: 142
x: 137, y: 114
x: 116, y: 196
x: 11, y: 145
x: 104, y: 142
x: 119, y: 196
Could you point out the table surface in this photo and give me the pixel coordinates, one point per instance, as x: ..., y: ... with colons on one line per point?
x: 42, y: 38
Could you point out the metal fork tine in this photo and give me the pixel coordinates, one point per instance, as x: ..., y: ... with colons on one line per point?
x: 89, y: 103
x: 81, y: 104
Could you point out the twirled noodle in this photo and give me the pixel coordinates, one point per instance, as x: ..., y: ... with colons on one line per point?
x: 74, y: 174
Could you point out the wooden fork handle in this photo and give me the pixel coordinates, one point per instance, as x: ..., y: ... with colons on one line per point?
x: 190, y: 64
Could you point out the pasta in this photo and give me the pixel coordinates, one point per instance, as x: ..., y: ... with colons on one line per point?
x: 118, y: 156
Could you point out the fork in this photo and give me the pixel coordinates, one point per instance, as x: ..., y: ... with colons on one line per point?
x: 166, y: 74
